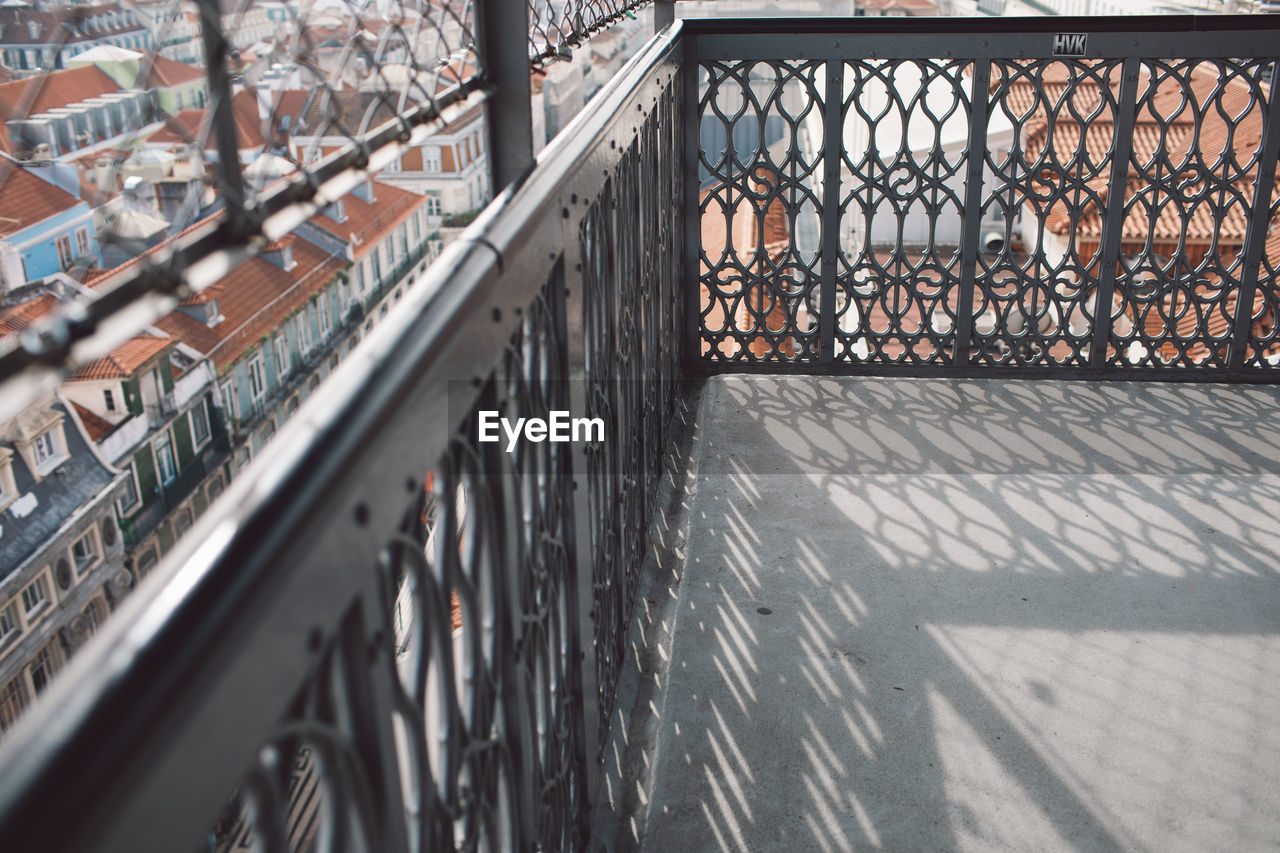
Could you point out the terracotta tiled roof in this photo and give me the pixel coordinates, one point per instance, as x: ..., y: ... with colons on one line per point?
x: 56, y: 89
x: 16, y: 319
x: 98, y: 428
x: 170, y: 72
x: 367, y: 223
x: 186, y: 126
x: 244, y: 109
x: 124, y: 359
x: 189, y: 125
x: 26, y: 200
x: 256, y: 297
x: 317, y: 112
x: 1078, y: 136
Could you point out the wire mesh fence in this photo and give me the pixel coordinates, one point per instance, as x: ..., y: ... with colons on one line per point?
x: 197, y: 136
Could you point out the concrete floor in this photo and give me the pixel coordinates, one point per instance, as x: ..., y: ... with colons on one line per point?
x: 967, y: 615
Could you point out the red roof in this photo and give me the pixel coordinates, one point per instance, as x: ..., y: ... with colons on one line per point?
x: 55, y: 89
x: 367, y: 223
x: 1166, y: 129
x: 254, y: 298
x: 26, y: 200
x: 16, y: 319
x: 170, y: 72
x: 98, y: 428
x: 125, y: 359
x: 186, y: 126
x: 190, y: 125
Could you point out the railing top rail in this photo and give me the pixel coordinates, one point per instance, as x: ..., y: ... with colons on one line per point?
x: 1183, y: 36
x: 1131, y: 25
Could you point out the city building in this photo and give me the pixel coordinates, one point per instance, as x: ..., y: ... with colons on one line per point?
x: 177, y: 86
x: 61, y: 552
x: 152, y: 411
x: 34, y: 38
x: 72, y: 112
x: 44, y: 229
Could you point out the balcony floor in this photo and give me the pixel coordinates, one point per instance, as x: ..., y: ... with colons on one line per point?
x: 967, y: 615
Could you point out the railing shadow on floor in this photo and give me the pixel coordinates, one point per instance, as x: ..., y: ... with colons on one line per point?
x: 968, y: 614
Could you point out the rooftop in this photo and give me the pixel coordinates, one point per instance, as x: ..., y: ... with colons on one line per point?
x: 27, y: 200
x: 43, y: 507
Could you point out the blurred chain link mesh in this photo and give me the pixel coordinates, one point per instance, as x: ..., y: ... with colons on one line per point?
x: 358, y: 79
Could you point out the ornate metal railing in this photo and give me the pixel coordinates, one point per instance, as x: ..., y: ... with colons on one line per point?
x: 1069, y: 197
x: 405, y: 638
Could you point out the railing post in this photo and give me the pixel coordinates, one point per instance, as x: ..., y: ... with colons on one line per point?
x: 1113, y: 225
x: 502, y: 30
x: 664, y: 13
x: 976, y: 164
x: 1255, y: 237
x: 692, y: 343
x: 832, y: 148
x: 231, y: 182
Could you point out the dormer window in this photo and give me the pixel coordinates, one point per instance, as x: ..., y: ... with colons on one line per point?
x: 46, y: 449
x: 43, y: 445
x: 213, y: 315
x: 33, y: 27
x: 336, y: 211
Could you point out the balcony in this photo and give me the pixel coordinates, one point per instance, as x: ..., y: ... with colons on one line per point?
x: 834, y: 578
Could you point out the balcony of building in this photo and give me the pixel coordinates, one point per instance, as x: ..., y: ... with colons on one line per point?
x: 837, y: 576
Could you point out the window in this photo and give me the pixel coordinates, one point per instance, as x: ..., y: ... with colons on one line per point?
x: 433, y: 204
x: 34, y: 597
x: 65, y: 256
x: 82, y: 241
x: 84, y: 551
x: 199, y: 424
x: 304, y: 332
x: 13, y: 700
x: 281, y: 345
x: 431, y: 158
x: 9, y: 627
x: 147, y: 561
x: 165, y: 462
x: 44, y: 665
x: 182, y: 523
x: 322, y: 308
x: 96, y: 613
x: 129, y: 497
x: 215, y: 488
x: 242, y: 458
x: 109, y: 400
x: 46, y: 448
x: 257, y: 382
x: 229, y: 401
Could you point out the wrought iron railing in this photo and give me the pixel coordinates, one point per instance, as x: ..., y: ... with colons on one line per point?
x: 1094, y: 202
x: 275, y: 635
x: 477, y: 722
